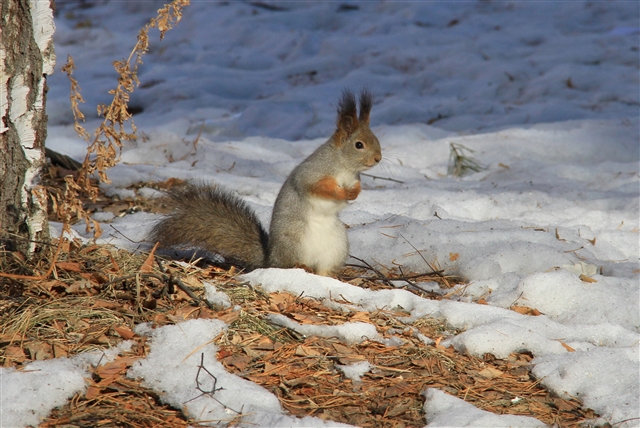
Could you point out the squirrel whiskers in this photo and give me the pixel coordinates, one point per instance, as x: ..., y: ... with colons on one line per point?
x: 305, y: 228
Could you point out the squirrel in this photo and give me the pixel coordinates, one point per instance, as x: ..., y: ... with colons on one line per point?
x: 305, y: 230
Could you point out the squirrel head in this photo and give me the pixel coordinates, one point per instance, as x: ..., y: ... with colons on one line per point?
x: 353, y: 136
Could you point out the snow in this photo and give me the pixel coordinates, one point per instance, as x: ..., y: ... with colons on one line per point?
x: 546, y: 94
x: 349, y: 332
x: 355, y: 371
x: 172, y: 368
x: 29, y: 395
x: 215, y: 297
x: 445, y: 410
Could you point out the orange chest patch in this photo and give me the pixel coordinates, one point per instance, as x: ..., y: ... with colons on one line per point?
x: 329, y: 188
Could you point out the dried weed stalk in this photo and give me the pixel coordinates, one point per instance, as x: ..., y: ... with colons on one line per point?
x: 461, y: 161
x: 105, y: 149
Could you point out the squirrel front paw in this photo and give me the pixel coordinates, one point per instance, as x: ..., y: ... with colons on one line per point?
x: 329, y: 188
x: 353, y: 192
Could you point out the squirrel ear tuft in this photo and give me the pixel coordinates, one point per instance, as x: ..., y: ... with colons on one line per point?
x: 366, y: 101
x: 347, y: 113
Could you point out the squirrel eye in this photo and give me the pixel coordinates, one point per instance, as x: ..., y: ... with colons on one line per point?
x: 359, y: 145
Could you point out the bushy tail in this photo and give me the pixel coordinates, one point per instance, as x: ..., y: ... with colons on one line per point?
x: 209, y: 218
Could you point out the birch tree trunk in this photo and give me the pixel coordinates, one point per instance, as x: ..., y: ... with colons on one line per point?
x: 26, y: 58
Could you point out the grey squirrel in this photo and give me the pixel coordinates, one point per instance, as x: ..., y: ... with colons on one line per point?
x: 305, y: 229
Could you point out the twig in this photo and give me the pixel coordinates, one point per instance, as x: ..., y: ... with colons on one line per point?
x: 168, y: 288
x: 626, y: 420
x: 381, y: 178
x: 381, y: 276
x: 416, y: 286
x: 515, y: 301
x: 213, y: 390
x: 395, y: 278
x: 168, y: 280
x: 437, y: 272
x: 182, y: 286
x: 123, y: 235
x: 134, y: 275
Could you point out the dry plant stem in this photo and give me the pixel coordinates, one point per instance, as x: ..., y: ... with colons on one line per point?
x: 190, y: 293
x: 376, y: 271
x: 437, y: 272
x: 461, y: 163
x: 422, y: 290
x: 387, y: 280
x: 167, y: 280
x: 376, y: 177
x: 106, y: 147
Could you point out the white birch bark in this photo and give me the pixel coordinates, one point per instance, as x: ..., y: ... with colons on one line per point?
x: 22, y: 110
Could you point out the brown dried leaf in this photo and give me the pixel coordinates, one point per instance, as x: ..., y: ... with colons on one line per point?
x: 351, y: 359
x: 563, y: 405
x: 525, y: 310
x: 39, y: 350
x: 115, y: 368
x: 276, y: 369
x: 229, y: 316
x: 59, y: 350
x: 399, y: 407
x: 125, y: 332
x: 147, y: 266
x: 308, y: 318
x: 106, y: 304
x: 69, y: 266
x: 490, y: 373
x: 92, y: 392
x: 586, y: 278
x: 342, y: 349
x: 360, y: 316
x: 264, y: 344
x: 237, y: 360
x: 306, y: 351
x: 14, y: 354
x: 54, y: 283
x: 193, y: 282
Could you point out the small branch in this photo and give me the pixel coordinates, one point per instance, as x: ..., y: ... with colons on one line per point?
x: 380, y: 275
x: 213, y: 390
x: 134, y: 275
x: 182, y: 286
x: 376, y: 177
x: 423, y: 259
x: 168, y: 280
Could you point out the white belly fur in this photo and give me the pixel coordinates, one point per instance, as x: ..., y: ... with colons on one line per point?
x: 324, y: 245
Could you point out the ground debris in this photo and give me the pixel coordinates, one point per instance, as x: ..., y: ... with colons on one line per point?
x: 96, y: 295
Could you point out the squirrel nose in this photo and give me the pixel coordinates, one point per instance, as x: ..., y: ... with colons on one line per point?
x: 377, y: 158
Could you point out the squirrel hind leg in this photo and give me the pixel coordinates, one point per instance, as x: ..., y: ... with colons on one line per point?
x: 214, y: 220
